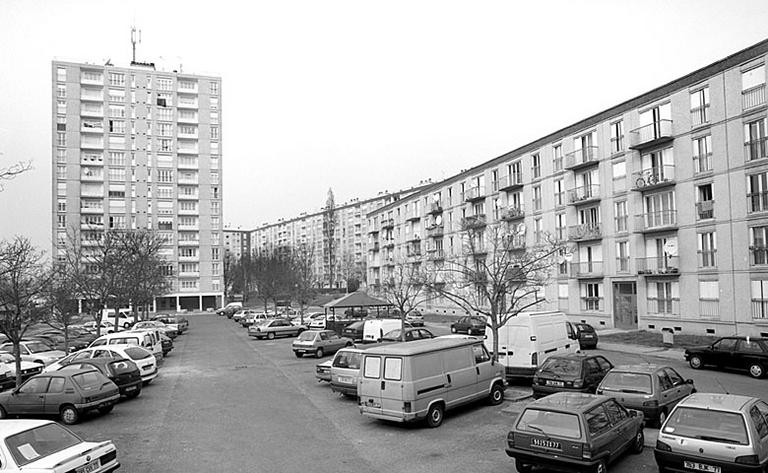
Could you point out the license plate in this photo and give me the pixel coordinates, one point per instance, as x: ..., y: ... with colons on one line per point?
x: 548, y: 444
x: 701, y: 467
x: 89, y: 467
x: 371, y: 403
x: 344, y: 379
x: 559, y: 384
x: 130, y: 388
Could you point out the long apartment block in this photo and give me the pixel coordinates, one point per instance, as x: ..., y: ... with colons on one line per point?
x: 661, y: 201
x: 140, y: 148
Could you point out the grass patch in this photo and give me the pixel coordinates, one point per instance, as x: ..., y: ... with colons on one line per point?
x: 653, y: 339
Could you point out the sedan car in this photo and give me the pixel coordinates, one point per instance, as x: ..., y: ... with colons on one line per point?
x: 272, y: 328
x: 143, y: 358
x: 123, y: 372
x: 68, y: 394
x: 469, y: 325
x: 242, y: 313
x: 732, y: 353
x: 154, y: 324
x: 572, y: 372
x: 35, y: 351
x: 45, y: 446
x: 574, y: 432
x: 715, y: 433
x: 411, y: 334
x: 319, y: 343
x: 415, y: 318
x: 652, y: 389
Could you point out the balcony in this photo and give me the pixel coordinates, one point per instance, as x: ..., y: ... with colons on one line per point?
x: 514, y: 242
x: 654, y: 178
x: 189, y: 242
x: 188, y: 163
x: 189, y: 258
x: 415, y: 237
x: 188, y: 211
x: 664, y: 306
x: 512, y: 213
x: 413, y: 252
x: 584, y: 194
x: 94, y: 78
x: 91, y: 210
x: 189, y: 274
x: 92, y: 112
x: 651, y: 135
x: 390, y: 243
x: 413, y: 216
x: 436, y: 254
x: 592, y: 304
x: 188, y: 196
x: 589, y: 269
x: 760, y: 309
x: 92, y: 127
x: 92, y: 95
x: 585, y: 232
x: 473, y: 221
x: 373, y: 230
x: 756, y: 149
x: 186, y: 149
x: 375, y: 247
x: 435, y: 208
x: 92, y: 192
x: 187, y: 117
x: 511, y: 181
x: 189, y: 226
x: 753, y: 97
x: 474, y: 193
x: 187, y: 180
x: 189, y: 136
x: 582, y: 158
x: 706, y: 210
x: 387, y: 223
x: 435, y: 231
x: 658, y: 266
x: 656, y: 221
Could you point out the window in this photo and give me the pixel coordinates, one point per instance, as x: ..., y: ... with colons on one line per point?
x: 591, y: 296
x: 560, y: 226
x: 214, y: 88
x: 621, y: 216
x: 215, y: 238
x: 707, y: 249
x: 61, y: 172
x: 214, y: 133
x: 538, y: 232
x: 61, y: 138
x: 753, y: 87
x: 617, y: 137
x: 61, y: 221
x: 702, y: 154
x: 215, y: 269
x: 700, y: 106
x: 117, y: 221
x: 557, y: 160
x: 61, y: 91
x: 480, y: 353
x: 597, y: 420
x: 61, y: 74
x: 393, y: 368
x: 215, y: 254
x: 164, y: 175
x: 164, y: 114
x: 536, y: 165
x: 189, y: 283
x: 214, y: 177
x: 61, y: 107
x: 117, y: 111
x: 622, y: 256
x: 536, y: 198
x: 759, y: 420
x: 759, y: 245
x: 117, y: 126
x: 61, y: 155
x: 559, y: 192
x: 754, y: 139
x: 215, y: 207
x: 116, y: 158
x: 164, y: 84
x: 619, y: 176
x: 116, y: 174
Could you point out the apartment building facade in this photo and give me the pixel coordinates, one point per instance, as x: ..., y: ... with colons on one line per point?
x: 236, y: 243
x: 138, y: 148
x: 661, y: 202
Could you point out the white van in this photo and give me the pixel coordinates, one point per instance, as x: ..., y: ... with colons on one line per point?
x: 529, y: 338
x: 421, y: 379
x: 374, y: 329
x: 141, y: 338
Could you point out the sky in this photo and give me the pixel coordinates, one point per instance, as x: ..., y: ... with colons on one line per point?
x: 357, y: 96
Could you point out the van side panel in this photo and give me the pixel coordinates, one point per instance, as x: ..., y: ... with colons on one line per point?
x: 428, y: 382
x: 461, y: 376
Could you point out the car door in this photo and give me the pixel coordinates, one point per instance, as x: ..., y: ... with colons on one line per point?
x: 605, y: 366
x: 721, y: 352
x: 667, y: 393
x: 621, y: 426
x: 334, y: 342
x: 681, y: 389
x: 425, y: 333
x: 30, y: 398
x: 56, y: 395
x: 746, y: 353
x: 484, y: 369
x: 762, y: 428
x: 601, y: 437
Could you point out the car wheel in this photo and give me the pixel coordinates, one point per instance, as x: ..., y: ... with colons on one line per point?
x: 134, y: 394
x: 319, y: 353
x: 639, y: 443
x: 601, y: 466
x: 695, y: 362
x: 435, y: 415
x: 106, y: 410
x: 756, y: 370
x: 662, y: 418
x: 298, y: 355
x: 453, y: 329
x: 69, y: 415
x: 3, y: 413
x: 496, y: 396
x: 271, y: 335
x: 523, y: 467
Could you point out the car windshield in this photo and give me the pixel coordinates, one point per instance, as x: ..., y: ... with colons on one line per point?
x: 707, y: 424
x: 307, y: 336
x: 639, y: 383
x: 37, y: 347
x: 560, y: 424
x: 39, y: 442
x: 136, y: 353
x: 392, y: 335
x: 561, y: 367
x: 347, y: 359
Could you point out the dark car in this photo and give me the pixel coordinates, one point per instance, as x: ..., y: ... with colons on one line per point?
x: 470, y: 325
x: 77, y: 340
x: 574, y: 432
x: 575, y: 372
x: 585, y: 334
x: 166, y: 343
x: 411, y: 333
x: 732, y: 353
x: 124, y: 373
x: 68, y: 394
x: 354, y: 330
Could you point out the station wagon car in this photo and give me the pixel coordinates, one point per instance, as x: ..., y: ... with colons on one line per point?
x: 732, y: 353
x: 345, y: 371
x: 652, y: 389
x: 573, y: 372
x: 319, y: 343
x: 717, y: 433
x: 574, y: 432
x: 272, y: 328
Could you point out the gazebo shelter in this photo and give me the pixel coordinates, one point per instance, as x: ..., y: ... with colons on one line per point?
x: 357, y: 300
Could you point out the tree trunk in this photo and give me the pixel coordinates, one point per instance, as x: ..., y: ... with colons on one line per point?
x: 17, y: 360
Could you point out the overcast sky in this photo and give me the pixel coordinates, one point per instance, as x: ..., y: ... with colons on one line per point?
x: 356, y: 95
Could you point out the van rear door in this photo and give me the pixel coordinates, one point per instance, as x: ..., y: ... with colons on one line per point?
x: 370, y: 384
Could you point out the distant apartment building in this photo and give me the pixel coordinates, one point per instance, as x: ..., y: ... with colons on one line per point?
x: 138, y: 148
x: 662, y: 202
x: 236, y: 243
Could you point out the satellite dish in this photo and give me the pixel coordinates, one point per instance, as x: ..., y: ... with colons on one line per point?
x: 568, y: 256
x: 670, y: 248
x: 520, y: 229
x: 439, y: 220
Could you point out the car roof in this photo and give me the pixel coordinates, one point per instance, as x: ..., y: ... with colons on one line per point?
x: 423, y: 346
x: 69, y: 372
x: 575, y: 356
x: 646, y: 368
x: 569, y: 401
x: 717, y: 401
x: 752, y: 339
x: 14, y: 426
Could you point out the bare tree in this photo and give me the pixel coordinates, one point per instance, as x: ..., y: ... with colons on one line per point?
x: 23, y: 279
x: 61, y: 301
x: 351, y: 271
x: 144, y: 269
x: 497, y: 275
x: 304, y: 277
x: 329, y: 235
x: 229, y: 265
x: 10, y: 172
x: 272, y: 276
x: 406, y: 287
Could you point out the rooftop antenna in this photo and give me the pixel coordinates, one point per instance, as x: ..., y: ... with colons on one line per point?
x: 135, y: 39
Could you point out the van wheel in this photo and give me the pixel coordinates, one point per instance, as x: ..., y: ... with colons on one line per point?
x: 435, y: 415
x: 319, y: 353
x: 523, y: 467
x: 695, y: 362
x: 756, y: 370
x: 639, y: 442
x: 271, y: 335
x: 69, y: 415
x: 496, y: 396
x: 601, y: 467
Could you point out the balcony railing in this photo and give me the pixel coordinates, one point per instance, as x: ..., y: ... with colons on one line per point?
x: 474, y: 193
x: 756, y: 149
x: 760, y: 309
x: 700, y: 115
x: 474, y: 221
x: 702, y: 163
x: 387, y: 223
x: 657, y: 220
x: 663, y: 306
x: 587, y: 269
x: 514, y: 242
x: 706, y: 209
x: 709, y: 308
x: 435, y: 231
x: 654, y: 177
x: 582, y: 157
x: 435, y: 207
x: 584, y: 194
x: 437, y: 254
x: 651, y: 134
x: 585, y: 231
x: 374, y: 247
x: 512, y: 213
x: 388, y: 243
x: 413, y: 237
x: 658, y: 265
x: 413, y: 252
x: 759, y: 255
x: 592, y: 304
x: 511, y: 181
x: 753, y: 97
x: 707, y: 258
x: 412, y: 216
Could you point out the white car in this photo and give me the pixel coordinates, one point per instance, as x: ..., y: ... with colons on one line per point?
x: 146, y: 362
x: 34, y: 351
x: 28, y: 368
x: 106, y: 326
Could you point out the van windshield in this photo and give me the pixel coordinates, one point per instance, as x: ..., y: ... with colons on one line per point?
x: 639, y: 383
x: 707, y: 424
x: 561, y: 367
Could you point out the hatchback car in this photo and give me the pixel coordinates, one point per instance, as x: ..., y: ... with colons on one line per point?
x: 123, y: 372
x: 410, y: 335
x: 67, y: 393
x: 652, y: 389
x: 43, y: 445
x: 345, y: 371
x: 574, y: 432
x: 415, y: 318
x: 180, y: 323
x: 354, y: 330
x: 469, y: 325
x: 35, y: 351
x: 573, y: 372
x: 717, y: 433
x: 585, y: 334
x: 732, y: 353
x: 272, y: 328
x: 319, y: 343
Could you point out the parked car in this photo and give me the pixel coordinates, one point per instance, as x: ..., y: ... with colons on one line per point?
x: 319, y: 343
x: 166, y: 344
x: 229, y: 309
x: 411, y: 334
x: 354, y: 330
x: 575, y: 372
x: 415, y: 318
x: 470, y: 325
x: 123, y: 372
x: 105, y: 325
x: 154, y: 324
x: 43, y: 445
x: 272, y: 328
x: 714, y: 433
x: 242, y: 313
x: 28, y: 369
x: 585, y: 334
x: 732, y: 353
x: 35, y: 351
x: 68, y: 393
x: 174, y: 321
x: 652, y: 389
x: 124, y: 318
x: 143, y: 358
x: 345, y: 371
x: 574, y: 432
x: 323, y: 371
